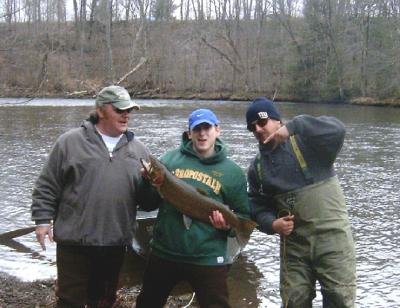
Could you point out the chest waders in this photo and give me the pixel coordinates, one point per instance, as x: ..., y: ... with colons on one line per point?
x: 319, y: 249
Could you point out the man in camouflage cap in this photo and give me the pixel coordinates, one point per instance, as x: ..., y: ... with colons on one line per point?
x: 87, y: 193
x: 117, y: 96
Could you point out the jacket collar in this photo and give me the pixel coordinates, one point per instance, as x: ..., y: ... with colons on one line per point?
x: 90, y: 128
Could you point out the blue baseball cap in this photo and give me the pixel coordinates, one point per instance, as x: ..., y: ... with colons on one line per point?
x: 200, y: 116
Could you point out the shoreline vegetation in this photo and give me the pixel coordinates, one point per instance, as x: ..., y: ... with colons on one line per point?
x: 186, y: 95
x: 316, y: 53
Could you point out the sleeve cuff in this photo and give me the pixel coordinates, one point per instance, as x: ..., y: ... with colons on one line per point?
x: 42, y: 222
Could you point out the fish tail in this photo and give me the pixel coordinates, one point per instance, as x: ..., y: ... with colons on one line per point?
x: 244, y: 231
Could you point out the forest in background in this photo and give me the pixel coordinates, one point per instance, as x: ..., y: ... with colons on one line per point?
x: 297, y: 50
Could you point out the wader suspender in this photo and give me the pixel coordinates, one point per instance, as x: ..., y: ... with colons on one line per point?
x: 259, y: 172
x: 299, y: 157
x: 301, y: 160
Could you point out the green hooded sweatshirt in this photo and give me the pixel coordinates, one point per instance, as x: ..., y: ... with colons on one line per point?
x: 218, y: 177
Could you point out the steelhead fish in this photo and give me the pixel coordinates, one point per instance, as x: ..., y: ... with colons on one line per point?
x: 187, y: 200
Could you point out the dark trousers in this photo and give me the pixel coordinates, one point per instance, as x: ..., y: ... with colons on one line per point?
x: 160, y: 277
x: 88, y: 275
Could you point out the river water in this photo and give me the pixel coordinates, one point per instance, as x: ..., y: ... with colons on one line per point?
x: 368, y: 168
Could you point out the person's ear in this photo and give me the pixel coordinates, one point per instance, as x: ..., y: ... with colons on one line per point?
x: 100, y: 112
x: 218, y: 130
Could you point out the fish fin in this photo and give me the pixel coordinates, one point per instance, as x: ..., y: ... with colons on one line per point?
x: 187, y: 221
x: 244, y: 231
x: 201, y: 192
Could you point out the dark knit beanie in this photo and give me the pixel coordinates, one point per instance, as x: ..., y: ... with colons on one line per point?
x: 261, y: 108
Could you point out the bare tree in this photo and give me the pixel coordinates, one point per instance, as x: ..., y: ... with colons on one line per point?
x: 109, y: 57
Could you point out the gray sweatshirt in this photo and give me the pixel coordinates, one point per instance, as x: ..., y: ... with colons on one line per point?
x: 91, y: 196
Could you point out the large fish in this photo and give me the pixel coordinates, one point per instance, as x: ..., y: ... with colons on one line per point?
x: 187, y: 200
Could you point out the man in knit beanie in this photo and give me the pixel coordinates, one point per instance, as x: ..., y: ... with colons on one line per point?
x: 294, y: 192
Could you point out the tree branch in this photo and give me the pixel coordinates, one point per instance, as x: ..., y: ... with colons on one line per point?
x: 223, y: 55
x: 142, y: 61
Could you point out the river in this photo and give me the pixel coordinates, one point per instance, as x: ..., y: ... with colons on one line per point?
x: 368, y: 168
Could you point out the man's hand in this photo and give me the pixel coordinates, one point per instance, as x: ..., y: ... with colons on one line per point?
x: 41, y: 232
x: 218, y: 221
x: 284, y: 225
x: 156, y: 182
x: 144, y: 173
x: 278, y: 137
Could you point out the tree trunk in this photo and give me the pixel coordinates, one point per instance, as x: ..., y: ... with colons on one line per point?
x: 109, y: 61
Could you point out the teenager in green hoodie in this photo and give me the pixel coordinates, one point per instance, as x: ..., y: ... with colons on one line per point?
x: 185, y: 249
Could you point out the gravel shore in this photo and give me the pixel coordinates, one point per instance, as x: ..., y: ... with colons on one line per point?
x: 15, y: 293
x: 40, y: 293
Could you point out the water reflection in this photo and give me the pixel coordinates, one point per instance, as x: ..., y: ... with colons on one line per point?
x: 244, y: 282
x: 368, y: 167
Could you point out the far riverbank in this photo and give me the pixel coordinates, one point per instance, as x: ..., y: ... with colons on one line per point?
x: 30, y: 94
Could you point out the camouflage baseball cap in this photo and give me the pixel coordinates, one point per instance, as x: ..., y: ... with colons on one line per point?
x: 116, y: 95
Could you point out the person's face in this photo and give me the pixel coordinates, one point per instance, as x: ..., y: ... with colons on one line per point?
x: 203, y: 137
x: 263, y: 128
x: 113, y: 121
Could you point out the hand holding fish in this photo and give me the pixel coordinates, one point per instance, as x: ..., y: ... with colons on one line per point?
x: 218, y: 221
x: 41, y: 232
x: 155, y: 181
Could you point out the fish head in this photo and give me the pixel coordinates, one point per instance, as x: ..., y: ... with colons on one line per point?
x: 154, y: 170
